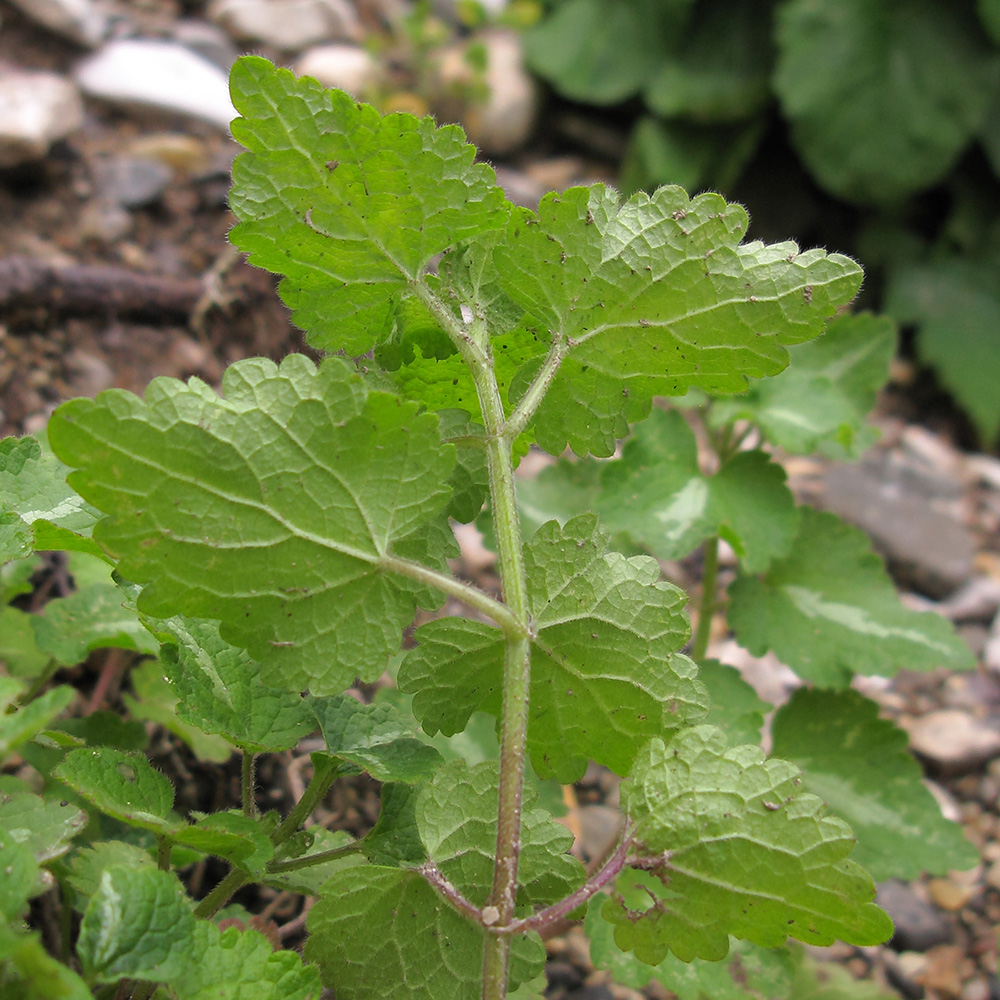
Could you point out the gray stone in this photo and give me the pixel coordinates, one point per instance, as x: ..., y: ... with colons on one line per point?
x: 286, y: 24
x: 205, y: 39
x: 80, y: 21
x: 924, y: 546
x: 131, y: 181
x: 36, y: 109
x: 954, y: 741
x: 346, y: 67
x: 919, y: 925
x: 165, y: 76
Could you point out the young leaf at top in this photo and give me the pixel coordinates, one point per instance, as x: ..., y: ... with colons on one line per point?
x: 654, y: 296
x: 426, y: 944
x: 822, y: 400
x: 219, y: 689
x: 859, y: 765
x: 657, y: 496
x: 736, y: 848
x: 286, y: 509
x: 350, y: 206
x: 828, y: 609
x: 606, y: 674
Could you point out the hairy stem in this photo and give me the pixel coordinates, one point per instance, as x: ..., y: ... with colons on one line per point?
x: 248, y: 782
x: 525, y: 409
x: 706, y: 603
x: 432, y: 873
x: 221, y: 894
x: 293, y: 864
x: 324, y: 773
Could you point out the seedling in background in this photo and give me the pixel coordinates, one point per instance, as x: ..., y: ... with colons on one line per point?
x: 279, y: 536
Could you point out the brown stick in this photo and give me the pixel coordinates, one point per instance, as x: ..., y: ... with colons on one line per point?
x: 27, y: 282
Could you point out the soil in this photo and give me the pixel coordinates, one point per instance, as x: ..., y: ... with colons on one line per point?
x: 185, y: 305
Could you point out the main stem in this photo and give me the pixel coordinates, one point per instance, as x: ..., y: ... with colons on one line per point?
x: 516, y: 681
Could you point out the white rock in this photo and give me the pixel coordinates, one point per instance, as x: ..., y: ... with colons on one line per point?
x: 79, y: 20
x: 954, y: 740
x: 504, y: 121
x: 286, y: 24
x: 162, y: 75
x: 346, y: 67
x: 35, y: 110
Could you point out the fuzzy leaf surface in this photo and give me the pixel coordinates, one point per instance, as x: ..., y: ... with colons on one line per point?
x: 654, y: 296
x: 828, y: 608
x: 605, y: 654
x: 17, y: 862
x: 656, y: 495
x: 735, y: 706
x: 426, y: 950
x: 230, y: 835
x: 822, y: 400
x: 348, y: 205
x: 377, y: 738
x: 740, y: 850
x: 881, y: 98
x: 89, y: 862
x: 138, y: 924
x: 456, y: 815
x: 859, y: 765
x: 219, y: 689
x: 17, y: 727
x: 46, y: 825
x: 123, y: 785
x: 272, y: 509
x: 36, y: 974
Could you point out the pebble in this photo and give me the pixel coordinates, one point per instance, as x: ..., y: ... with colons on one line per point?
x: 130, y: 181
x: 146, y: 73
x: 950, y: 895
x: 207, y: 40
x: 36, y: 109
x: 919, y: 925
x: 953, y: 740
x: 184, y: 153
x: 78, y: 20
x: 286, y: 24
x: 991, y: 648
x: 927, y: 548
x: 346, y: 67
x: 944, y: 970
x: 977, y: 600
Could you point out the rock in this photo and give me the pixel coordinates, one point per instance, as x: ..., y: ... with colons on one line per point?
x: 978, y: 600
x: 141, y: 72
x: 78, y: 20
x: 36, y: 109
x: 954, y: 741
x: 131, y: 181
x: 286, y: 24
x: 205, y: 39
x: 924, y: 546
x: 346, y: 67
x: 943, y: 975
x: 919, y: 925
x: 991, y: 649
x: 184, y: 153
x: 950, y: 895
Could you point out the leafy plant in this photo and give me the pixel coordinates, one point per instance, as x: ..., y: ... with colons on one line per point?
x: 278, y: 537
x: 891, y: 110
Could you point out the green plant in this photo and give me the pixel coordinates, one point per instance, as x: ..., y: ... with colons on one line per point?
x: 874, y: 126
x: 279, y: 537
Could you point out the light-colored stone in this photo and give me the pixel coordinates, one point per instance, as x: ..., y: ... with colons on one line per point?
x: 953, y: 740
x: 208, y: 40
x: 991, y: 650
x: 79, y: 20
x: 346, y: 67
x: 36, y: 109
x: 145, y: 73
x: 286, y: 24
x: 950, y: 895
x: 978, y: 600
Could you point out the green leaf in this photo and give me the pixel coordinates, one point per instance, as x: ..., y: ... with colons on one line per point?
x: 377, y: 738
x: 735, y: 706
x: 456, y: 814
x: 231, y: 835
x: 20, y: 654
x: 310, y: 879
x: 601, y: 51
x: 33, y: 489
x: 748, y: 972
x: 219, y: 689
x: 737, y: 849
x: 821, y: 401
x: 20, y: 726
x: 654, y: 296
x: 859, y: 765
x: 138, y: 924
x: 38, y: 976
x: 95, y: 616
x: 953, y: 302
x: 350, y: 206
x: 274, y: 509
x: 657, y: 496
x: 46, y: 826
x: 719, y: 69
x: 90, y: 862
x: 17, y: 862
x: 882, y: 98
x: 603, y: 655
x: 155, y: 701
x: 989, y: 14
x: 123, y: 785
x: 241, y: 965
x: 431, y: 948
x: 395, y: 839
x: 107, y: 729
x: 828, y: 609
